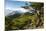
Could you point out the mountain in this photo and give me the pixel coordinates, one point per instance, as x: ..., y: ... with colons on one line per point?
x: 14, y: 14
x: 9, y: 12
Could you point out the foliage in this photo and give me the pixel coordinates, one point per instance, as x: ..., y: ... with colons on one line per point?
x: 25, y: 21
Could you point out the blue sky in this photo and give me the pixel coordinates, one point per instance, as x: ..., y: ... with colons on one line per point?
x: 13, y: 4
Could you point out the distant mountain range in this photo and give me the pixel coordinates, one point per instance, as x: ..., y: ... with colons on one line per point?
x: 18, y: 11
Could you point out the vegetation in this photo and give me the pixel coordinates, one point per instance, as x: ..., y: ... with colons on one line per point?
x: 27, y: 20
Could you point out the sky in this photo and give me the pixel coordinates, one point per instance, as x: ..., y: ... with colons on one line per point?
x: 11, y: 5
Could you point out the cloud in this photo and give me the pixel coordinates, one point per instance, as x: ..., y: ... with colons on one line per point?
x: 15, y: 9
x: 20, y: 10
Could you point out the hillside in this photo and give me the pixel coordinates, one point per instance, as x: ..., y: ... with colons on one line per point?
x: 24, y: 21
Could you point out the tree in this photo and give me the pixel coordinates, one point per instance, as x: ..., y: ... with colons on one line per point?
x: 37, y: 5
